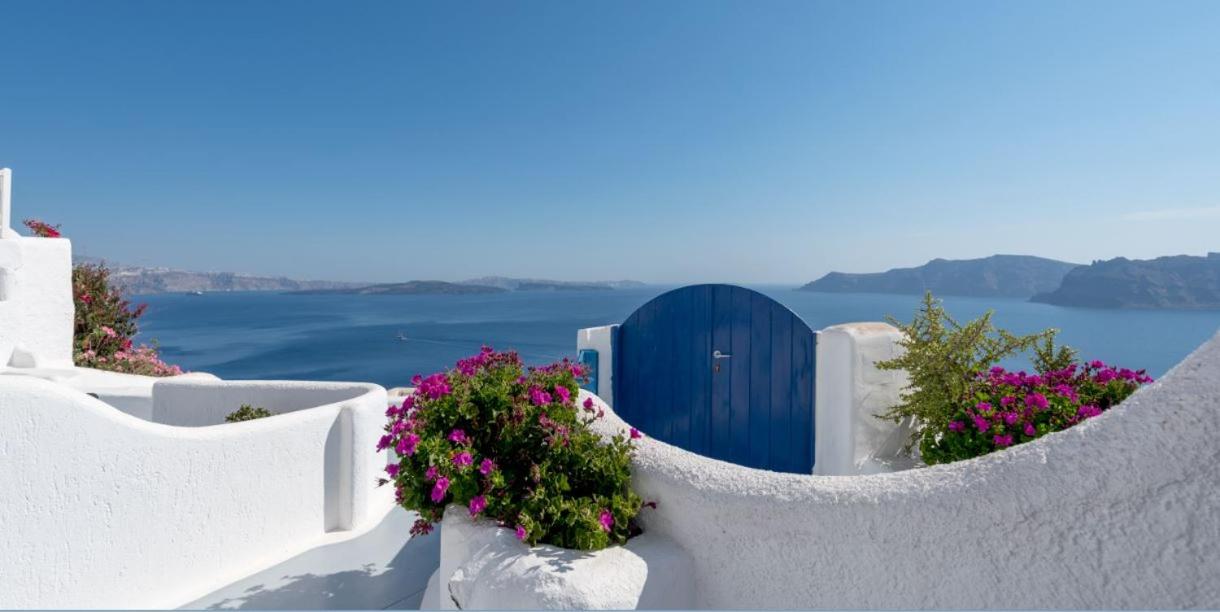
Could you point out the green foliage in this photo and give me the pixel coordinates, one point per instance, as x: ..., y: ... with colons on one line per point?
x: 512, y: 445
x: 247, y: 413
x: 1048, y: 358
x: 941, y: 357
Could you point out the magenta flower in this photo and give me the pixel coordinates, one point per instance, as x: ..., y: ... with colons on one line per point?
x: 1010, y: 418
x: 430, y: 474
x: 957, y: 426
x: 477, y: 504
x: 635, y: 434
x: 563, y: 394
x: 391, y: 469
x: 439, y: 489
x: 1002, y: 440
x: 462, y: 459
x: 1036, y: 400
x: 1030, y: 430
x: 1007, y: 400
x: 981, y: 424
x: 606, y: 519
x: 406, y: 446
x: 458, y: 436
x: 487, y: 466
x: 383, y: 443
x: 983, y: 407
x: 1096, y: 364
x: 521, y: 533
x: 538, y: 397
x: 1086, y: 412
x: 588, y: 404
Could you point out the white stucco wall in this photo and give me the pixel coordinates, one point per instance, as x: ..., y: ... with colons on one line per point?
x: 850, y: 393
x: 36, y: 308
x: 1118, y: 512
x: 601, y: 340
x: 103, y: 509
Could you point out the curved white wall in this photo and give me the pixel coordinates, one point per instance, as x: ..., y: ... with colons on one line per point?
x: 102, y: 509
x: 1120, y: 511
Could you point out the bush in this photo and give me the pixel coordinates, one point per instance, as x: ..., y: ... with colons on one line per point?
x: 246, y: 413
x: 963, y: 405
x: 105, y: 321
x: 511, y: 445
x: 1009, y: 408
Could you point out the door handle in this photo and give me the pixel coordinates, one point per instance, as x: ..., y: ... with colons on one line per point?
x: 718, y: 355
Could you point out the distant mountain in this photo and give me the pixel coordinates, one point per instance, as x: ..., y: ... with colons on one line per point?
x: 1182, y: 281
x: 409, y: 288
x: 536, y: 284
x: 137, y: 280
x: 1017, y: 276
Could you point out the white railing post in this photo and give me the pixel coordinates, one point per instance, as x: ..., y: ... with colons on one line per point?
x: 6, y: 203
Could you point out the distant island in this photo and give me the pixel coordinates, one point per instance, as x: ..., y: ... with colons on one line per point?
x: 537, y: 284
x: 416, y: 287
x: 1182, y: 281
x: 138, y: 280
x: 1011, y: 276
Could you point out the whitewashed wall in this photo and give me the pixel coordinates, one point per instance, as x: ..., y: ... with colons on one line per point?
x: 1118, y: 512
x: 36, y: 307
x: 101, y: 509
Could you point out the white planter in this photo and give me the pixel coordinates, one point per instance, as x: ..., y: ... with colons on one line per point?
x: 485, y: 566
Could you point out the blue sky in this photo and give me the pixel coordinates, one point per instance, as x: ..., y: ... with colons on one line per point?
x: 666, y: 142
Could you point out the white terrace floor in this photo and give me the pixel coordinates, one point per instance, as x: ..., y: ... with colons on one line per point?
x: 383, y: 569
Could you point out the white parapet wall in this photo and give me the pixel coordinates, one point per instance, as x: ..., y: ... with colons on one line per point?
x: 101, y: 509
x: 850, y: 394
x: 36, y: 309
x: 1117, y: 512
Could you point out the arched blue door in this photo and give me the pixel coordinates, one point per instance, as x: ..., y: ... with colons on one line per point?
x: 722, y: 371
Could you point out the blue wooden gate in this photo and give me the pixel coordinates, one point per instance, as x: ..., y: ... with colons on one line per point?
x: 722, y: 371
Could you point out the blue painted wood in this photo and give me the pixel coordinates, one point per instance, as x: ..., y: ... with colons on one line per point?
x: 753, y: 407
x: 588, y: 358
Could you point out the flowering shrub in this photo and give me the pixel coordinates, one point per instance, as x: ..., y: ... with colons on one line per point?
x: 1009, y: 408
x: 42, y: 230
x: 105, y: 321
x: 962, y: 405
x: 511, y: 445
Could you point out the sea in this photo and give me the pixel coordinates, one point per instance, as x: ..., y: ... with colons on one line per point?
x: 387, y: 339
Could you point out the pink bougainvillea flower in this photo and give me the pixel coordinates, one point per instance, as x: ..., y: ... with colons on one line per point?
x: 981, y: 424
x: 487, y: 466
x: 1030, y: 430
x: 477, y: 504
x: 1007, y: 400
x: 458, y: 436
x: 1010, y: 418
x: 606, y: 519
x: 957, y: 426
x: 588, y: 404
x: 1002, y: 440
x: 1086, y: 412
x: 983, y: 407
x: 1036, y: 400
x: 430, y: 473
x: 391, y: 469
x: 521, y: 533
x: 462, y: 459
x: 109, y: 331
x: 563, y: 394
x: 538, y: 397
x: 383, y: 443
x: 635, y: 434
x: 406, y: 445
x: 439, y: 489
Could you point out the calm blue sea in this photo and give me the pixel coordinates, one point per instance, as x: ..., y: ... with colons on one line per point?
x: 346, y: 337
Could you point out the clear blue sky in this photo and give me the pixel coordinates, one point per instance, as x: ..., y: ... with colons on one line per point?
x: 666, y: 142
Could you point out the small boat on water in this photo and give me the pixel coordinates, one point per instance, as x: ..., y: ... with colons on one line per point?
x: 194, y: 293
x: 402, y: 337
